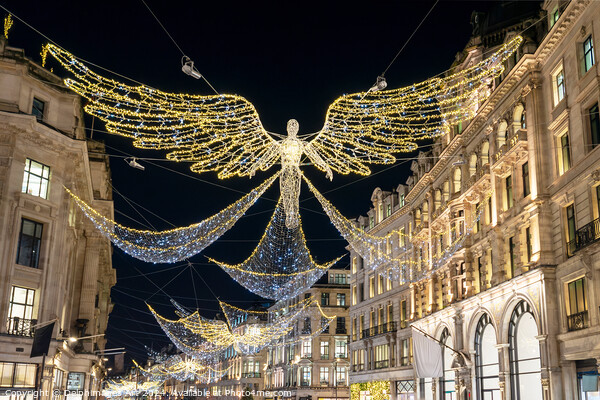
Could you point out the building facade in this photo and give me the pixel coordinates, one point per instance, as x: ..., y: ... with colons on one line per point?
x: 55, y: 266
x: 500, y: 220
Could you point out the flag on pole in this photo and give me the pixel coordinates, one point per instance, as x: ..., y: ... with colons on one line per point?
x: 428, y: 356
x: 41, y: 340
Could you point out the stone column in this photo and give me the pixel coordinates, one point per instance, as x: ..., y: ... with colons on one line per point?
x: 89, y: 283
x: 498, y: 267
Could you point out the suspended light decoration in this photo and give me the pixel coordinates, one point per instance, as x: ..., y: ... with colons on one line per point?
x: 281, y: 266
x: 175, y: 244
x: 246, y: 331
x: 182, y: 370
x: 223, y: 133
x: 124, y: 387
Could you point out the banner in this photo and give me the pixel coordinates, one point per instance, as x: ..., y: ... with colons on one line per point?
x: 428, y: 356
x: 41, y: 340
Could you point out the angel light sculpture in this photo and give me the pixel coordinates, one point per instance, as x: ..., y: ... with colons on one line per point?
x: 223, y: 133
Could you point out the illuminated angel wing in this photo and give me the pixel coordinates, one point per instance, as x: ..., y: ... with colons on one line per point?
x: 221, y: 133
x: 370, y: 127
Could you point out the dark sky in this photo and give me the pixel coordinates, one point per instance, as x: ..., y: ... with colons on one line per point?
x: 291, y: 60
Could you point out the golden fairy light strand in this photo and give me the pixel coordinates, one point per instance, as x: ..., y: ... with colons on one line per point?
x: 8, y: 23
x: 182, y: 369
x: 281, y: 266
x: 174, y: 244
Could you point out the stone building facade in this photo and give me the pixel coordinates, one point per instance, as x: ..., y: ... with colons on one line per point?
x: 55, y: 266
x: 500, y: 217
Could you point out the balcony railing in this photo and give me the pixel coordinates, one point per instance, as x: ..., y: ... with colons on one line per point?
x: 578, y: 321
x: 358, y: 367
x: 379, y: 330
x: 251, y: 375
x: 381, y: 364
x: 21, y: 326
x: 584, y: 236
x: 340, y: 331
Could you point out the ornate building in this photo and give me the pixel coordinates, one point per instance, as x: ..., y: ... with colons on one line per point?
x: 55, y: 267
x: 497, y: 240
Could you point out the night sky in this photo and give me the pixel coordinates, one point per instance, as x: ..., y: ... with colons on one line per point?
x: 291, y: 60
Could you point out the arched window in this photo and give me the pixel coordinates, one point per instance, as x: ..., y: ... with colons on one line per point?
x: 501, y: 135
x: 437, y: 199
x: 447, y: 390
x: 425, y: 211
x: 487, y: 369
x: 485, y: 153
x: 524, y: 354
x: 473, y: 165
x: 457, y: 180
x: 446, y: 191
x: 523, y: 122
x: 519, y: 117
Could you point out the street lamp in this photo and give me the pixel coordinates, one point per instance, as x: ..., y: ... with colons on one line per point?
x: 74, y: 339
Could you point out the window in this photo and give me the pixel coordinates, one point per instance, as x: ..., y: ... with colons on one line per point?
x: 473, y: 165
x: 371, y: 286
x: 324, y: 350
x: 511, y: 255
x: 588, y: 54
x: 501, y: 136
x: 447, y: 381
x: 306, y: 349
x: 354, y: 295
x: 340, y: 376
x: 524, y: 120
x: 381, y: 285
x: 446, y: 191
x: 37, y: 109
x: 477, y: 215
x: 555, y: 17
x: 390, y: 315
x: 457, y: 180
x: 17, y: 375
x: 404, y: 352
x: 371, y: 222
x: 389, y: 279
x: 354, y: 264
x: 305, y: 376
x: 485, y: 153
x: 381, y: 356
x: 577, y: 315
x: 564, y: 156
x: 341, y: 279
x: 570, y: 228
x: 36, y: 179
x: 30, y: 240
x: 324, y: 375
x: 558, y: 82
x: 594, y: 126
x: 403, y: 314
x: 402, y: 237
x: 525, y: 175
x: 401, y: 199
x: 324, y: 325
x: 508, y: 191
x: 341, y: 348
x: 324, y: 299
x: 389, y: 210
x: 528, y: 243
x: 487, y: 368
x: 20, y: 311
x: 341, y: 326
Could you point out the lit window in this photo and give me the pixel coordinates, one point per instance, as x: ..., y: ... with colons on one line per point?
x: 555, y: 17
x: 324, y: 375
x: 511, y: 255
x: 577, y: 307
x: 340, y: 376
x: 30, y: 240
x: 401, y: 199
x: 523, y: 120
x: 305, y: 376
x: 354, y: 263
x: 457, y: 180
x: 594, y: 126
x: 324, y: 299
x: 341, y: 348
x: 588, y: 54
x: 389, y: 210
x: 473, y: 165
x: 306, y: 348
x: 402, y: 237
x: 501, y: 136
x: 528, y: 243
x: 564, y: 156
x: 446, y: 192
x: 324, y: 350
x: 17, y: 375
x: 558, y: 81
x: 20, y: 311
x: 525, y: 175
x: 354, y: 295
x: 371, y: 286
x: 485, y: 153
x: 341, y: 299
x: 37, y: 108
x: 371, y: 222
x: 570, y: 227
x: 35, y: 179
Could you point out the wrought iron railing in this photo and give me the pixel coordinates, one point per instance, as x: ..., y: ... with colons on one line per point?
x: 340, y: 331
x: 381, y: 364
x: 584, y: 236
x: 358, y: 367
x: 251, y: 375
x: 578, y: 321
x: 379, y: 330
x: 20, y: 326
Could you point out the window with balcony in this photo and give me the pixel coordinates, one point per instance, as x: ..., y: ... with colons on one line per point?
x: 30, y: 241
x: 594, y: 119
x: 382, y: 356
x: 501, y: 135
x: 36, y: 179
x: 457, y: 180
x: 508, y: 192
x: 525, y: 176
x: 564, y: 155
x: 341, y: 376
x: 306, y: 348
x: 305, y: 376
x: 324, y: 376
x: 38, y: 109
x: 341, y: 348
x: 577, y: 312
x: 558, y: 85
x: 324, y: 350
x: 588, y: 54
x: 20, y: 312
x: 19, y: 375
